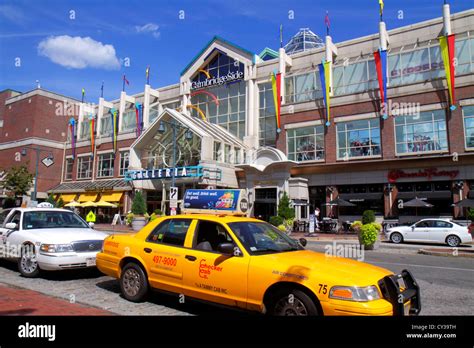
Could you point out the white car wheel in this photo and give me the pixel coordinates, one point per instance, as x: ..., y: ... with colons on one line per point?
x: 453, y: 241
x: 27, y: 264
x: 396, y: 238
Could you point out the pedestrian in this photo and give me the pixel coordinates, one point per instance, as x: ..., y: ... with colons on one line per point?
x: 316, y: 218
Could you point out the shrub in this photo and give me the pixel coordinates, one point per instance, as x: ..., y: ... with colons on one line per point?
x: 284, y: 209
x: 129, y: 218
x: 157, y: 212
x: 276, y: 220
x: 282, y: 228
x: 377, y: 226
x: 356, y: 225
x: 368, y: 217
x: 368, y: 234
x: 138, y: 204
x: 470, y: 214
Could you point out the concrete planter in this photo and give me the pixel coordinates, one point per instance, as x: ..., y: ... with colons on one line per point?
x: 138, y: 222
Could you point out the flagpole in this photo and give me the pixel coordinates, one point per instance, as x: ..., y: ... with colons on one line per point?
x: 123, y: 84
x: 102, y: 90
x: 327, y: 23
x: 281, y: 35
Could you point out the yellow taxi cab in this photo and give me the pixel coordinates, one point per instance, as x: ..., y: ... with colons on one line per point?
x: 247, y: 263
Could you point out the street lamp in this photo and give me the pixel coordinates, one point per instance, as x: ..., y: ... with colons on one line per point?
x: 38, y: 152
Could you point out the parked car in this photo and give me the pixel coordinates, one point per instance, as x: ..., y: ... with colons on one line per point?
x: 48, y: 239
x: 431, y: 231
x: 250, y: 264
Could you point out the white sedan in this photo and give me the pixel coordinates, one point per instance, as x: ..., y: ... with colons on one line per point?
x: 48, y: 239
x: 430, y: 231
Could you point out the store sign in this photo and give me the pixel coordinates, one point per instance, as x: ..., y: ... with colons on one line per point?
x: 217, y: 81
x: 428, y: 173
x: 164, y: 173
x: 215, y: 200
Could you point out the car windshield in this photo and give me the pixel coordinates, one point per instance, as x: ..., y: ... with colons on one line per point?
x: 261, y: 237
x: 52, y: 219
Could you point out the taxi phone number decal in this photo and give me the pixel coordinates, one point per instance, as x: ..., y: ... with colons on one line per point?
x: 166, y: 261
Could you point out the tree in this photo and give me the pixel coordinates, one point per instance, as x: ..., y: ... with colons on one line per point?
x: 57, y: 204
x: 18, y: 181
x: 138, y: 204
x: 284, y: 209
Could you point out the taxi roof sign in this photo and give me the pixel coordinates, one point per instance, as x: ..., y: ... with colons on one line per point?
x: 218, y: 202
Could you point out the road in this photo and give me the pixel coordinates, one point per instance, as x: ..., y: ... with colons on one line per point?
x: 446, y: 286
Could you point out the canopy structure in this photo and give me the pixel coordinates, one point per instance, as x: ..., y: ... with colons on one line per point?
x: 465, y: 203
x: 105, y: 204
x: 417, y: 203
x: 88, y: 204
x: 67, y: 198
x: 73, y: 204
x: 341, y: 203
x: 86, y: 197
x: 111, y: 197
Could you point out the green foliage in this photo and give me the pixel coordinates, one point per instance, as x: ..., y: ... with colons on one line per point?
x: 368, y: 234
x: 284, y: 209
x: 17, y: 181
x: 57, y: 204
x: 276, y: 220
x: 282, y: 228
x: 51, y: 200
x: 377, y: 226
x: 129, y: 218
x: 470, y: 214
x: 138, y: 204
x: 157, y: 212
x: 368, y: 217
x: 356, y: 225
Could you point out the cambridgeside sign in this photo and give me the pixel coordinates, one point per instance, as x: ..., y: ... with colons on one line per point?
x: 217, y: 81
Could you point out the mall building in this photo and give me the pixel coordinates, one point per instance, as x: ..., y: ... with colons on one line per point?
x: 217, y: 127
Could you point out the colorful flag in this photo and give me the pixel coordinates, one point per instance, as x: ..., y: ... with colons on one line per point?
x: 380, y: 57
x: 381, y: 6
x: 324, y: 71
x: 125, y: 81
x: 327, y: 22
x: 147, y: 73
x: 276, y: 87
x: 446, y: 44
x: 91, y: 129
x: 72, y: 129
x: 139, y: 118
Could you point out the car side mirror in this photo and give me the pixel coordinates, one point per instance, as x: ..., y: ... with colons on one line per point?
x: 91, y: 224
x: 303, y: 241
x: 412, y: 227
x: 11, y: 226
x: 226, y: 248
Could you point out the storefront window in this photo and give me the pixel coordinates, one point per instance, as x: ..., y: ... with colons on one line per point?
x: 84, y: 167
x: 355, y: 77
x: 85, y: 130
x: 465, y: 55
x: 301, y: 88
x: 129, y: 120
x: 124, y: 161
x: 306, y: 144
x: 69, y: 166
x: 359, y: 138
x: 468, y: 115
x: 105, y: 165
x: 421, y: 133
x: 266, y: 114
x: 106, y: 125
x: 217, y: 151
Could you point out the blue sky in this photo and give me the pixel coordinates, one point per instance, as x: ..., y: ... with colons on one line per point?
x: 66, y: 54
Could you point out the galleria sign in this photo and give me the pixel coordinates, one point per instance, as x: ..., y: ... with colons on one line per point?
x: 163, y: 173
x: 428, y: 173
x: 217, y: 81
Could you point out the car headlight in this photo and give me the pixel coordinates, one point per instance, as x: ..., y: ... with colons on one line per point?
x: 353, y: 293
x: 56, y: 248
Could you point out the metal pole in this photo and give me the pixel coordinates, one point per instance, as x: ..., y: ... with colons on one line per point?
x: 35, y: 193
x: 174, y: 154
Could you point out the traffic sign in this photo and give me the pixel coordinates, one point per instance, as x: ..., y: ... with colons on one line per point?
x: 173, y: 197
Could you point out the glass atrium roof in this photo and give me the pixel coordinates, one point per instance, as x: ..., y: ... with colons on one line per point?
x: 304, y: 40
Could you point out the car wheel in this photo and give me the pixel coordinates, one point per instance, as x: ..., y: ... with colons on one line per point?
x: 292, y: 302
x: 27, y: 263
x: 453, y: 241
x: 133, y: 282
x: 396, y: 238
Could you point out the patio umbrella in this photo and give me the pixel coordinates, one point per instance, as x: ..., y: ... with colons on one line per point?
x: 73, y: 204
x: 465, y: 203
x: 105, y: 204
x: 87, y: 204
x: 341, y: 203
x: 417, y: 203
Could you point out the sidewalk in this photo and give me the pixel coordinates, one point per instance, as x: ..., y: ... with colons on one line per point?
x: 17, y: 301
x: 113, y: 228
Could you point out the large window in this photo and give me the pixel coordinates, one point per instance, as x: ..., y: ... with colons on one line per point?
x: 68, y: 169
x: 105, y: 165
x: 124, y: 161
x: 129, y: 120
x: 85, y: 130
x: 266, y: 114
x: 421, y: 133
x: 355, y: 77
x: 106, y: 125
x: 84, y: 167
x: 217, y: 156
x: 304, y: 87
x: 468, y: 115
x: 359, y: 138
x: 306, y: 144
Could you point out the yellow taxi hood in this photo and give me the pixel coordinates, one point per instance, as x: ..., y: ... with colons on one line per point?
x: 307, y: 264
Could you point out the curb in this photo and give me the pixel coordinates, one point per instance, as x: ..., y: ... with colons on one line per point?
x: 445, y: 253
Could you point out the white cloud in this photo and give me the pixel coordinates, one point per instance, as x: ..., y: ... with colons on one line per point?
x: 149, y: 28
x: 79, y: 52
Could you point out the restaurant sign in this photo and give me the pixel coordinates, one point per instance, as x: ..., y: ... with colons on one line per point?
x: 163, y: 173
x: 428, y: 173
